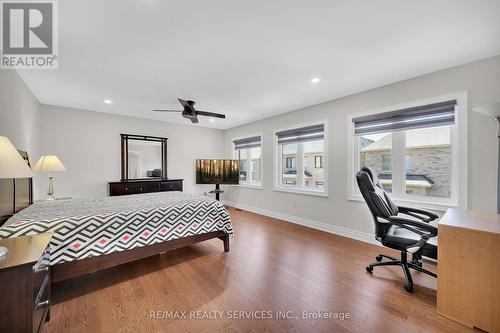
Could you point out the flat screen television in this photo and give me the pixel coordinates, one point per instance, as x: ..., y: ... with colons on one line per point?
x: 217, y: 172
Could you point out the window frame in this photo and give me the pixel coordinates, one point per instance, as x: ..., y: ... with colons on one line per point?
x: 459, y: 152
x: 234, y: 153
x: 277, y: 161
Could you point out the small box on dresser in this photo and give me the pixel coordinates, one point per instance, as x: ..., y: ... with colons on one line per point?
x: 25, y: 283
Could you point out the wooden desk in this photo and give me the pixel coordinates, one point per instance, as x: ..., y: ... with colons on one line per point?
x: 469, y: 269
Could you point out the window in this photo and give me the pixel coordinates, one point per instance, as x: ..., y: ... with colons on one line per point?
x: 375, y: 151
x: 300, y: 159
x: 248, y: 152
x: 318, y: 162
x: 386, y: 162
x: 290, y: 162
x: 417, y: 151
x: 428, y: 151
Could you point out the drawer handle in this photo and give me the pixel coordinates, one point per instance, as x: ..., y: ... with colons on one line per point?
x: 41, y: 304
x: 126, y: 188
x: 39, y: 270
x: 140, y: 189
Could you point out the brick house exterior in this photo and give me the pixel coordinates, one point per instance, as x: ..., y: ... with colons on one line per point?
x: 428, y: 161
x: 313, y: 176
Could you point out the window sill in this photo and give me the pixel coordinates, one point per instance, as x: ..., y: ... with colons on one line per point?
x: 422, y: 204
x: 300, y: 191
x: 256, y: 187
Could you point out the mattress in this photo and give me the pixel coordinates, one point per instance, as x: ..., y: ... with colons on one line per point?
x: 84, y: 228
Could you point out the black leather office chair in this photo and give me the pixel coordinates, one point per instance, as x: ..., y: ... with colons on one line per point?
x: 401, y: 228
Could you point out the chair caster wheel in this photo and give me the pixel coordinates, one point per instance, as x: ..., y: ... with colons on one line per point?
x: 409, y: 288
x: 369, y: 269
x: 378, y: 258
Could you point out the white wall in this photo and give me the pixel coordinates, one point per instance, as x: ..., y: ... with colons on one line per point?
x: 19, y: 114
x: 88, y: 144
x: 481, y: 80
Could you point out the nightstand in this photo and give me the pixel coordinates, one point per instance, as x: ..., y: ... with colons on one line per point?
x: 25, y: 283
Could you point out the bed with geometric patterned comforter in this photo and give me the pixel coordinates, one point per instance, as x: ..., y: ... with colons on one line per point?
x: 84, y: 228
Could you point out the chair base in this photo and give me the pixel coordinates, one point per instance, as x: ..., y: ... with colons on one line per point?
x: 415, y: 264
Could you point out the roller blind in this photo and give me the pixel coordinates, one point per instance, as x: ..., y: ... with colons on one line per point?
x: 252, y: 142
x: 304, y: 134
x: 431, y: 115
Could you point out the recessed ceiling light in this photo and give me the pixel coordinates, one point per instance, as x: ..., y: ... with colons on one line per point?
x: 212, y: 120
x: 107, y: 101
x: 315, y: 80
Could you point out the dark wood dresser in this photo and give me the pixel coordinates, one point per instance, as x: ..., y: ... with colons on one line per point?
x: 25, y: 284
x: 144, y: 186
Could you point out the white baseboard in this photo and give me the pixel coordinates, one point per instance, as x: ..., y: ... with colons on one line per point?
x: 354, y: 234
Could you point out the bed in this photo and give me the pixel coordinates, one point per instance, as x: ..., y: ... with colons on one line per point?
x: 93, y: 234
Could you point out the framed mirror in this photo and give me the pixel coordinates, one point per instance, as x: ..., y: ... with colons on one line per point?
x: 143, y: 157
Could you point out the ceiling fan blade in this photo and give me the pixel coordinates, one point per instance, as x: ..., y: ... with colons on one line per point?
x: 183, y: 102
x: 161, y: 110
x: 211, y: 114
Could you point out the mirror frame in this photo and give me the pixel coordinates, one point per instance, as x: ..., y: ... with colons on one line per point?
x: 124, y: 155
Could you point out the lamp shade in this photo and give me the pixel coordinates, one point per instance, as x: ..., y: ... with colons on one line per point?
x: 491, y: 110
x: 12, y: 165
x: 49, y: 163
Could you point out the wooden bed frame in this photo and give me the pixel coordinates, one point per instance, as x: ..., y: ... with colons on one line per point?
x: 75, y: 268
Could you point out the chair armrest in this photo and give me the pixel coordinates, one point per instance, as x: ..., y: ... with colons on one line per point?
x: 413, y: 211
x: 424, y: 230
x: 417, y: 227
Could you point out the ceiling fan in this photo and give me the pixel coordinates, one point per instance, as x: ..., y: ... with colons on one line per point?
x: 191, y: 113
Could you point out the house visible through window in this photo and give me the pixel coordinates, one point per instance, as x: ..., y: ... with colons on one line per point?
x: 301, y: 159
x: 248, y: 151
x: 414, y: 144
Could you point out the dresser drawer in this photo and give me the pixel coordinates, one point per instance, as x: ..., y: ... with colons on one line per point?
x: 138, y: 187
x: 124, y: 189
x: 171, y: 186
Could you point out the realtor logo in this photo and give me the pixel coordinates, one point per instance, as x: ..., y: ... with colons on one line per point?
x: 29, y: 34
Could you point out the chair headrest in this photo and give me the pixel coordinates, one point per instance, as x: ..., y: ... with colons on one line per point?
x: 364, y: 179
x: 373, y: 175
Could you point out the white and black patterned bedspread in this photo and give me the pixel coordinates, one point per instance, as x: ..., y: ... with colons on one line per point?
x: 84, y: 228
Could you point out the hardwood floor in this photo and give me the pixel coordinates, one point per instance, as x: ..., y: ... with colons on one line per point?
x: 273, y: 266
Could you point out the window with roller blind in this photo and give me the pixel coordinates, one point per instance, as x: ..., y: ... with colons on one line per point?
x: 419, y: 151
x: 300, y: 159
x: 248, y: 151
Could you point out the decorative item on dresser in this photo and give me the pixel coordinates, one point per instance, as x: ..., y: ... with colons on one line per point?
x: 25, y: 286
x: 145, y: 186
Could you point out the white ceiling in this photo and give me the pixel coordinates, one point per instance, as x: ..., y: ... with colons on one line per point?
x: 253, y: 59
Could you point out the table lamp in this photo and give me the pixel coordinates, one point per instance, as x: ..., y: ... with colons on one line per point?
x: 12, y: 165
x: 49, y: 163
x: 493, y: 111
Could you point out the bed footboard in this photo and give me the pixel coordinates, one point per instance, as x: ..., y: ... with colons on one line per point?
x: 75, y: 268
